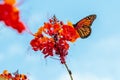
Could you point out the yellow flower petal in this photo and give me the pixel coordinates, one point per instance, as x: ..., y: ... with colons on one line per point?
x: 5, y: 72
x: 69, y: 23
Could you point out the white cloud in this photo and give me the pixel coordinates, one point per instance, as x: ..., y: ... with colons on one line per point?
x: 109, y: 44
x: 32, y: 58
x: 110, y: 41
x: 36, y: 19
x: 31, y: 77
x: 15, y: 49
x: 1, y: 56
x: 84, y: 77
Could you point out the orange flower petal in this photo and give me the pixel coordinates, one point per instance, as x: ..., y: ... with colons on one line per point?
x: 10, y: 2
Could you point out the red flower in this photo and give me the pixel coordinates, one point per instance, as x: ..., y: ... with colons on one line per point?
x: 61, y: 48
x: 51, y: 39
x: 44, y: 44
x: 51, y: 29
x: 10, y: 15
x: 69, y: 33
x: 9, y: 76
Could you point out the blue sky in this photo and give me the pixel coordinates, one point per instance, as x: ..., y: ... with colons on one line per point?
x: 94, y: 58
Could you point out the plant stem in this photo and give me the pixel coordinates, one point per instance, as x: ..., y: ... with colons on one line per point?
x: 66, y: 66
x: 69, y: 71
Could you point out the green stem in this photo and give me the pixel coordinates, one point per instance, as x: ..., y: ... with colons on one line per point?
x: 69, y: 71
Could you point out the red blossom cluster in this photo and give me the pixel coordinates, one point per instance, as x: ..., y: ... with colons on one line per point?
x: 9, y: 14
x: 9, y: 76
x: 52, y: 38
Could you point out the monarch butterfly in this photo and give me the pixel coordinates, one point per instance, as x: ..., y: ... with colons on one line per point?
x: 83, y: 26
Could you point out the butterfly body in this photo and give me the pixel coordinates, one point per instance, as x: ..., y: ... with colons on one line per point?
x: 83, y: 26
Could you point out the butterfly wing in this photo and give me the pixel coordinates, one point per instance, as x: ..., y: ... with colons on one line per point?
x: 83, y: 26
x: 84, y: 31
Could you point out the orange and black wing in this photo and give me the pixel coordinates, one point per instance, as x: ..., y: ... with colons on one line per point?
x: 83, y: 26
